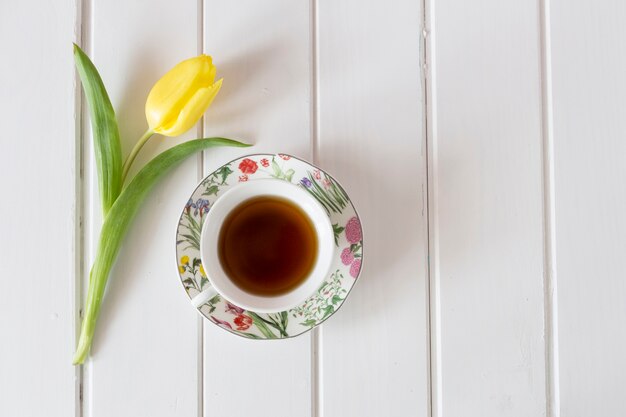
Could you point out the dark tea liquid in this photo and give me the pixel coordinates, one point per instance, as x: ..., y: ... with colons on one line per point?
x: 267, y: 246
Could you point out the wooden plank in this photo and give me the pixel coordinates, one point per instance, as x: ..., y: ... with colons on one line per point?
x: 589, y: 98
x: 145, y: 353
x: 486, y: 171
x: 38, y: 181
x: 263, y: 52
x: 371, y: 136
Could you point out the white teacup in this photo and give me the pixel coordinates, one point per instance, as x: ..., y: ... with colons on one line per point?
x: 209, y: 243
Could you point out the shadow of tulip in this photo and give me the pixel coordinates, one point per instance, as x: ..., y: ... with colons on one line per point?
x: 242, y: 92
x: 250, y: 91
x: 141, y: 74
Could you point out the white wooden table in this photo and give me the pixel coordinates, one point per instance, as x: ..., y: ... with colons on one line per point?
x: 484, y: 144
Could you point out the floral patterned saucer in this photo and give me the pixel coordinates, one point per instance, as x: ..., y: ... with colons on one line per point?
x: 345, y: 267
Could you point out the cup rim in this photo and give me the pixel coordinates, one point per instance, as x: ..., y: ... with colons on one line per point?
x: 209, y: 238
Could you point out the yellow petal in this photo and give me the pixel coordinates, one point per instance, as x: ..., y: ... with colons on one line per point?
x: 172, y: 92
x: 192, y: 111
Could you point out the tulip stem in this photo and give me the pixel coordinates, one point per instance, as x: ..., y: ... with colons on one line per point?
x: 133, y: 154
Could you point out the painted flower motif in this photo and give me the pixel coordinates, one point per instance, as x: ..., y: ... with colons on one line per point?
x: 184, y: 260
x: 283, y: 156
x: 265, y: 162
x: 202, y: 271
x: 347, y: 256
x: 231, y: 308
x: 317, y: 174
x: 181, y: 269
x: 243, y: 178
x: 326, y: 183
x: 202, y: 206
x: 353, y: 230
x: 306, y: 182
x: 248, y: 166
x: 222, y: 323
x: 243, y: 322
x: 189, y: 206
x: 355, y: 268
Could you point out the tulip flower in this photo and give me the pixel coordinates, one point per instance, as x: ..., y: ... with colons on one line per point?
x: 175, y: 104
x: 178, y: 100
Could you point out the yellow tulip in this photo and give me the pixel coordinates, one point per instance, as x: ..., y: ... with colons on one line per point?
x: 180, y: 97
x: 202, y: 271
x: 184, y: 260
x: 177, y: 101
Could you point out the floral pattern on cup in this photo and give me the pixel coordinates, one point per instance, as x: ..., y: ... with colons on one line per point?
x: 352, y: 254
x: 333, y: 291
x: 323, y: 303
x: 248, y: 166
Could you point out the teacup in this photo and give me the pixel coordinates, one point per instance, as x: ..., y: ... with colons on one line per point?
x: 220, y: 281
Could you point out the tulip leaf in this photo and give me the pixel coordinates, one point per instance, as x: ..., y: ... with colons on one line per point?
x: 106, y: 136
x: 117, y: 222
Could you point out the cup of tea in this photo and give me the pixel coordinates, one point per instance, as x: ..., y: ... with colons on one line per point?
x: 266, y: 246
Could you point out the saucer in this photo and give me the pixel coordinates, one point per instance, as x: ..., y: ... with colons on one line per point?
x: 345, y: 266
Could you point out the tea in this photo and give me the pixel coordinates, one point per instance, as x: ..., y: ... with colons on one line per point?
x: 267, y: 246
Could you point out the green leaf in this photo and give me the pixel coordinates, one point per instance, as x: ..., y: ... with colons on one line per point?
x: 212, y: 190
x: 203, y: 282
x: 276, y: 168
x: 193, y: 241
x: 289, y: 174
x: 260, y: 324
x: 328, y: 311
x: 195, y: 226
x: 319, y: 194
x: 337, y: 197
x: 278, y: 322
x: 335, y: 299
x: 106, y: 136
x: 309, y: 322
x: 337, y: 231
x: 116, y: 225
x: 324, y: 193
x: 321, y: 200
x: 224, y: 172
x: 336, y: 185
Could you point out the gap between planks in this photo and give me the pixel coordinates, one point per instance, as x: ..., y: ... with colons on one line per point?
x: 428, y: 80
x: 200, y: 174
x: 82, y: 248
x: 316, y: 333
x: 549, y: 231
